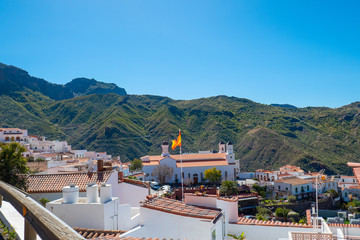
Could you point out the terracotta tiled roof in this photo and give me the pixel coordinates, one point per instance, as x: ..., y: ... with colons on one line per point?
x: 190, y: 160
x: 127, y: 238
x: 179, y: 208
x: 284, y: 175
x: 293, y: 181
x: 10, y: 129
x: 343, y: 225
x: 247, y: 221
x: 213, y: 162
x: 97, y: 233
x: 347, y: 176
x: 45, y: 183
x: 136, y: 182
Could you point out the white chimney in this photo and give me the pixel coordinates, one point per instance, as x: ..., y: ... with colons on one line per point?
x: 221, y: 147
x: 165, y: 149
x: 105, y: 193
x: 70, y: 194
x: 92, y: 193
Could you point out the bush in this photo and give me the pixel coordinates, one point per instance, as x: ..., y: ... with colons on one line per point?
x: 294, y: 216
x: 282, y: 213
x: 292, y: 198
x: 44, y: 201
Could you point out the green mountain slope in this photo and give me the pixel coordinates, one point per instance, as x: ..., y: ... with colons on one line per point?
x: 131, y: 126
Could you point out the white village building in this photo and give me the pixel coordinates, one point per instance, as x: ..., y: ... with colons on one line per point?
x: 8, y: 135
x: 193, y: 165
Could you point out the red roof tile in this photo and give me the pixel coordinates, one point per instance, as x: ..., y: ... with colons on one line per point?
x: 44, y: 183
x: 177, y: 207
x: 247, y: 221
x: 96, y: 233
x: 125, y: 238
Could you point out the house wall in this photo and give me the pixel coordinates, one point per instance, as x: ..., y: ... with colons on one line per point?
x: 304, y: 186
x: 52, y: 163
x: 130, y: 193
x: 190, y: 170
x: 256, y: 232
x: 170, y: 226
x: 87, y: 215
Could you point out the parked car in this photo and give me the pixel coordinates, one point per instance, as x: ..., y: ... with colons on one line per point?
x: 154, y: 185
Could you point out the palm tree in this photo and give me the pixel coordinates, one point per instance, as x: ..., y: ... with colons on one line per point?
x: 228, y: 188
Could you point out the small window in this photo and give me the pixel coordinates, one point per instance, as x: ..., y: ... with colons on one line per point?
x: 296, y: 190
x: 343, y: 180
x: 287, y: 188
x: 308, y: 188
x: 279, y: 187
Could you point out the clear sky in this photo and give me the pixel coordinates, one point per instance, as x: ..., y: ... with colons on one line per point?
x: 305, y: 53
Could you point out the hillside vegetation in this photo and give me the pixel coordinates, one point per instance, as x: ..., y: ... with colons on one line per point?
x: 264, y: 136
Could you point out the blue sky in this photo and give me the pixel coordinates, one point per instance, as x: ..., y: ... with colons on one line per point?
x: 305, y: 53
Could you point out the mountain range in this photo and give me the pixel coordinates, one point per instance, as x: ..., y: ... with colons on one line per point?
x: 103, y: 117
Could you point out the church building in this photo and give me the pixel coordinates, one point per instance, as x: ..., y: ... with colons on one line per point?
x: 193, y: 165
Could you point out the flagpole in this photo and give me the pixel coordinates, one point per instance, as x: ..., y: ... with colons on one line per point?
x: 182, y: 179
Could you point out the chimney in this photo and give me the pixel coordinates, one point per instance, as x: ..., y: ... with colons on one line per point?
x: 120, y: 176
x: 70, y: 193
x: 165, y: 149
x: 92, y: 193
x: 100, y: 165
x: 105, y: 193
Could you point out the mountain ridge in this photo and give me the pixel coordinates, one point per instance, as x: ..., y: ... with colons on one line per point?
x: 132, y: 126
x: 16, y: 79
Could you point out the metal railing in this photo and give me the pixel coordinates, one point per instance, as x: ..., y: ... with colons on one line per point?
x: 38, y: 220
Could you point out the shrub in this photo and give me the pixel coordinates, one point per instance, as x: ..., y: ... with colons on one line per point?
x: 292, y: 198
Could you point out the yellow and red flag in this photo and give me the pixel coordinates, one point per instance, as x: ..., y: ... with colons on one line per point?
x: 177, y: 142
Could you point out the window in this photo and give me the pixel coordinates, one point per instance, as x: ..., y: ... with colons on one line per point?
x: 296, y: 190
x: 189, y: 175
x: 279, y: 187
x: 183, y: 175
x: 225, y: 175
x: 308, y: 188
x: 343, y: 180
x: 287, y: 189
x: 176, y: 176
x: 35, y: 148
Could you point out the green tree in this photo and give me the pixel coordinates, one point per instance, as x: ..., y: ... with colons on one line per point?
x: 212, y: 175
x: 228, y: 188
x: 260, y: 190
x: 13, y: 165
x: 282, y: 213
x: 263, y: 213
x: 333, y: 193
x: 136, y: 165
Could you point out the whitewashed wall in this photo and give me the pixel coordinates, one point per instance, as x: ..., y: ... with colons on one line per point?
x: 255, y: 232
x: 165, y: 225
